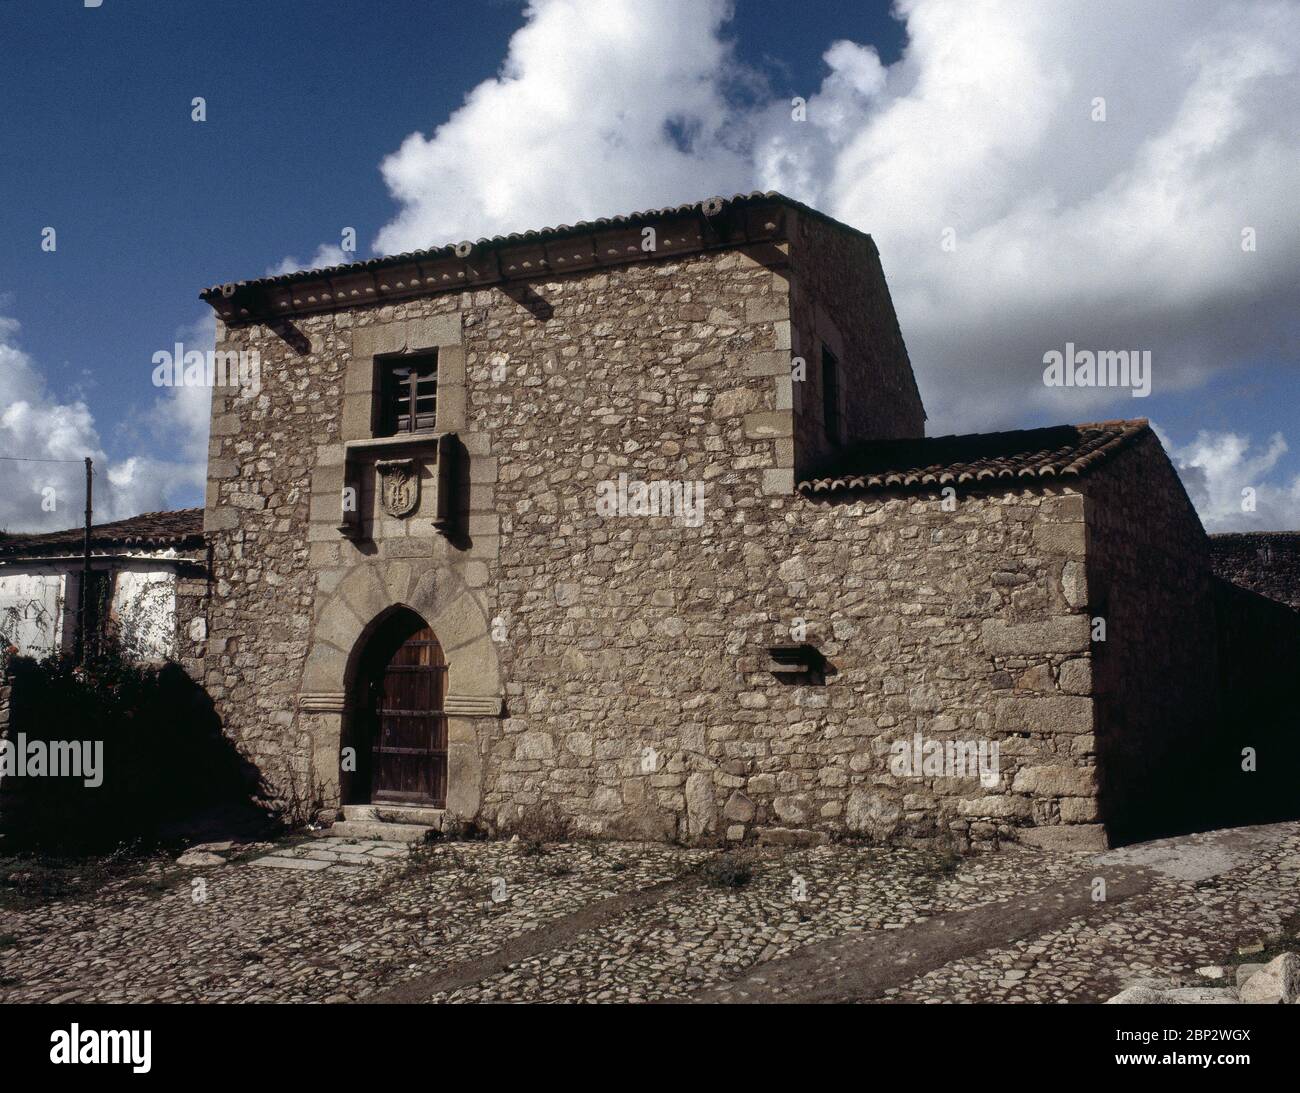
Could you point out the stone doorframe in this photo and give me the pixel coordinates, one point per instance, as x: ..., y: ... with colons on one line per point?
x: 367, y: 594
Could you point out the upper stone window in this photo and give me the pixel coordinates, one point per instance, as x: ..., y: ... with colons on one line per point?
x: 831, y: 395
x: 409, y: 390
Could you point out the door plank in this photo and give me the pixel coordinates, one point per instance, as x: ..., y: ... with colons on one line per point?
x: 410, y: 750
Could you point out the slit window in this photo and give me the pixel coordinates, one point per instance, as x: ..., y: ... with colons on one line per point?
x: 410, y: 394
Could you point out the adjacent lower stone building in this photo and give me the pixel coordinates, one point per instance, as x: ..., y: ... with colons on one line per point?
x: 632, y: 527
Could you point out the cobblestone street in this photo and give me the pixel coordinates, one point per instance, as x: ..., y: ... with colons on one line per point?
x: 332, y: 921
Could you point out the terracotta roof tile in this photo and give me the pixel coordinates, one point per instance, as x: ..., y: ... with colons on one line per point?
x: 1059, y: 452
x: 180, y: 528
x: 711, y: 206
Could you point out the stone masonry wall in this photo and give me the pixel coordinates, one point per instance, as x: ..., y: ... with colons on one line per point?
x: 613, y: 668
x: 1267, y: 562
x: 840, y: 299
x: 262, y: 447
x: 192, y: 608
x: 661, y: 370
x: 619, y: 629
x: 959, y: 625
x: 1155, y: 674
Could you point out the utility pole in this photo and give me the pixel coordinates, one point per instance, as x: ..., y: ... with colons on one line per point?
x: 83, y: 608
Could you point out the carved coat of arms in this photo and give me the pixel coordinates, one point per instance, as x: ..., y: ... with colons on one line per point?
x: 399, y: 486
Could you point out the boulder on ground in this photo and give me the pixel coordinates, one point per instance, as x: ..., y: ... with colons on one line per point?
x: 1142, y: 996
x: 1276, y: 982
x: 1175, y: 996
x: 1201, y: 996
x: 199, y: 859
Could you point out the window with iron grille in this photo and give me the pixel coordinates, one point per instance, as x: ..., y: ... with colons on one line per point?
x: 410, y: 394
x: 831, y: 395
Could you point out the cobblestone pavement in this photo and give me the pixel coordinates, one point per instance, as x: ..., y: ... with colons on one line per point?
x: 336, y: 855
x: 478, y: 921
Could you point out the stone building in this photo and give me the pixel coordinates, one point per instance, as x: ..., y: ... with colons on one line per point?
x: 632, y: 526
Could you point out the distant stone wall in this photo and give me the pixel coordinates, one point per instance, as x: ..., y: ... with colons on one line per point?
x: 1267, y: 562
x: 1154, y: 674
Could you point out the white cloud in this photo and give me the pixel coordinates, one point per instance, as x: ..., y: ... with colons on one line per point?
x: 39, y: 426
x: 1123, y: 233
x: 1115, y: 234
x: 327, y: 254
x: 600, y: 107
x: 176, y: 423
x: 1224, y: 472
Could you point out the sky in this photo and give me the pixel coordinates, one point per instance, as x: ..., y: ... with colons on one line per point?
x: 1110, y: 175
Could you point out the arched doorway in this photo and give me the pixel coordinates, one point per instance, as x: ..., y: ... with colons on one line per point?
x: 401, y: 687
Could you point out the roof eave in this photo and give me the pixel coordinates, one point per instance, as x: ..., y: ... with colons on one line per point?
x: 713, y: 224
x: 850, y: 486
x: 102, y: 550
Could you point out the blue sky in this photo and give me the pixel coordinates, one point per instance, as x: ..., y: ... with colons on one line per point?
x: 306, y: 99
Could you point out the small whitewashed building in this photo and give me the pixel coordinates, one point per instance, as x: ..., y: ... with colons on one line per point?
x: 148, y: 579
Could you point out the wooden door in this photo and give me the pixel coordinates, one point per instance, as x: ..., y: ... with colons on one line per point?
x: 409, y: 759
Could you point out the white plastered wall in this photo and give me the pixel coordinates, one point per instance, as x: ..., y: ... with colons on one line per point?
x: 144, y: 605
x: 32, y: 609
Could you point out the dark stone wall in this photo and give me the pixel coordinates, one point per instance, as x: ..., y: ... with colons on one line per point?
x: 1266, y: 562
x: 1259, y: 662
x: 1193, y: 677
x: 839, y: 298
x: 1259, y: 651
x: 1153, y: 675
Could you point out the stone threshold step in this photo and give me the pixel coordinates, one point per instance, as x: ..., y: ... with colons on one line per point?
x: 372, y: 829
x: 396, y: 814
